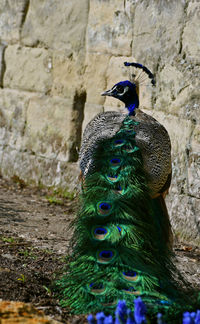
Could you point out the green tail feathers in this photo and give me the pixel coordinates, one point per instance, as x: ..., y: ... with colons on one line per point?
x: 120, y: 250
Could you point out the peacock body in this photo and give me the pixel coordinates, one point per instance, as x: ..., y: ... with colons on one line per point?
x: 122, y: 237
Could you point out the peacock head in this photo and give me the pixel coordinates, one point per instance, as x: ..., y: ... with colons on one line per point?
x: 127, y: 92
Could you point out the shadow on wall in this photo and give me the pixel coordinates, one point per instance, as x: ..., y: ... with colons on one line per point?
x: 76, y: 125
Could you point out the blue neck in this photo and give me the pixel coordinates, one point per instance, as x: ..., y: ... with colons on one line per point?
x: 131, y: 108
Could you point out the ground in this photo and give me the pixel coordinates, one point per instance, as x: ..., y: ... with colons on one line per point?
x: 34, y: 240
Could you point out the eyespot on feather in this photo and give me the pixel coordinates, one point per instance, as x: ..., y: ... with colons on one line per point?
x: 130, y: 275
x: 119, y: 229
x: 163, y: 302
x: 119, y: 142
x: 104, y: 208
x: 111, y: 304
x: 131, y: 291
x: 100, y: 233
x: 115, y: 162
x: 96, y: 288
x: 112, y: 178
x: 130, y: 149
x: 119, y: 189
x: 106, y: 256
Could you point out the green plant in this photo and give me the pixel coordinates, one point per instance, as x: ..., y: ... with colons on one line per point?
x: 54, y: 200
x: 28, y: 253
x: 22, y: 278
x: 69, y: 194
x: 8, y: 239
x: 48, y: 290
x: 47, y: 251
x: 57, y: 196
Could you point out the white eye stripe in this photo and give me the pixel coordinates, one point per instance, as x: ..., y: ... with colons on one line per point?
x: 125, y: 90
x: 114, y: 88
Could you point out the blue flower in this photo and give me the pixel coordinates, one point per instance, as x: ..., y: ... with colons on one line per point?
x: 130, y: 319
x: 108, y: 320
x: 197, y: 318
x: 100, y: 318
x: 139, y: 311
x: 125, y: 316
x: 159, y: 319
x: 121, y: 312
x: 187, y: 319
x: 91, y: 319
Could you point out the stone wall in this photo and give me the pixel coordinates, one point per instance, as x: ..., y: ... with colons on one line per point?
x: 56, y: 57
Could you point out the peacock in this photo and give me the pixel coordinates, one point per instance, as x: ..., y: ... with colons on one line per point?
x: 122, y: 241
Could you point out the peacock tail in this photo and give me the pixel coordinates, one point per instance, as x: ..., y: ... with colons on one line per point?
x: 120, y: 248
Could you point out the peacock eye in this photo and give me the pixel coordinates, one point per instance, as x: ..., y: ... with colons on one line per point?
x: 120, y: 89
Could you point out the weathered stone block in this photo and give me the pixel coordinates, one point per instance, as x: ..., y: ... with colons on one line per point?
x: 12, y: 14
x: 194, y: 163
x: 194, y: 174
x: 170, y: 83
x: 49, y: 127
x: 157, y: 31
x: 191, y: 35
x: 176, y: 90
x: 27, y: 68
x: 195, y: 139
x: 179, y: 134
x: 60, y: 25
x: 37, y: 170
x: 109, y: 28
x: 13, y: 107
x: 66, y: 75
x: 96, y: 76
x: 184, y: 214
x: 16, y: 163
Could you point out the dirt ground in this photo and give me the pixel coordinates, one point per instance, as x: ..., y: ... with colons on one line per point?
x: 34, y: 240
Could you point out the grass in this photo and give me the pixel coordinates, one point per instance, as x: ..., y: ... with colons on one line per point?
x: 22, y: 278
x: 8, y: 239
x: 28, y: 253
x: 59, y: 196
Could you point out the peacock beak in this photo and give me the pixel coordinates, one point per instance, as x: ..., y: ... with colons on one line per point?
x: 107, y: 93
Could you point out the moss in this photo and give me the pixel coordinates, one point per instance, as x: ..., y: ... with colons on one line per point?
x: 59, y: 195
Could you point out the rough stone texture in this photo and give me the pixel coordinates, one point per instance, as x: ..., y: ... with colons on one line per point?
x: 66, y: 75
x: 38, y: 170
x: 191, y: 36
x: 12, y: 15
x: 96, y: 69
x: 48, y: 126
x: 56, y: 24
x: 110, y: 28
x: 13, y: 108
x: 27, y: 68
x: 157, y: 30
x: 57, y: 57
